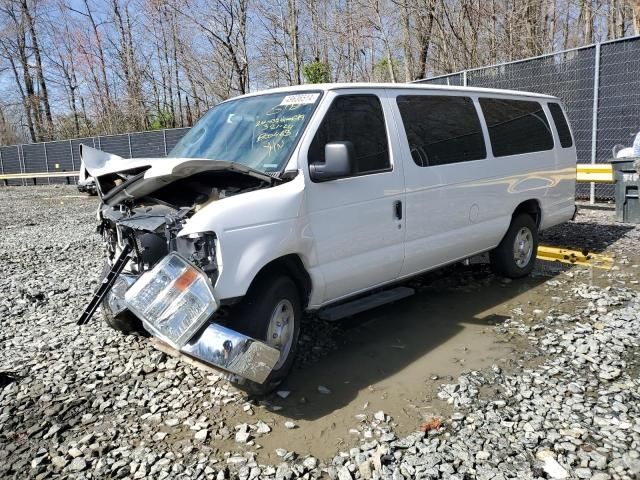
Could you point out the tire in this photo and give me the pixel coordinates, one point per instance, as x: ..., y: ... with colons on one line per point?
x: 515, y: 256
x: 256, y: 316
x: 124, y: 322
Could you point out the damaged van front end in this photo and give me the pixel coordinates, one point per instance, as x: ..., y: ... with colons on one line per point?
x: 175, y: 299
x: 166, y: 280
x: 205, y: 247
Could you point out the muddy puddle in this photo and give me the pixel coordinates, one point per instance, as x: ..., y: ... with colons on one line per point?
x: 394, y: 358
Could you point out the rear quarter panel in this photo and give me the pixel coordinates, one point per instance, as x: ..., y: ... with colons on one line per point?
x: 558, y: 206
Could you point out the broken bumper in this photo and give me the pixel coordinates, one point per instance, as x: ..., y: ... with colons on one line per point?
x: 234, y: 352
x: 175, y: 300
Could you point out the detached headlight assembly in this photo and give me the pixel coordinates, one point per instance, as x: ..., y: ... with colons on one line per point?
x: 173, y: 300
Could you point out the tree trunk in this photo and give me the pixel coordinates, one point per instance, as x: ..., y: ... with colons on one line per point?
x: 385, y: 40
x: 407, y: 43
x: 101, y: 56
x: 35, y: 47
x: 425, y: 28
x: 31, y: 103
x: 25, y: 100
x: 176, y: 66
x: 167, y: 78
x: 586, y: 18
x: 292, y: 28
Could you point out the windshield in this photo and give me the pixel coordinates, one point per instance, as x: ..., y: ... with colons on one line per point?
x: 259, y: 132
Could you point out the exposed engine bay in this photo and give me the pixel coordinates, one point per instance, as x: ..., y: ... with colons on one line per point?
x: 156, y: 280
x: 150, y: 224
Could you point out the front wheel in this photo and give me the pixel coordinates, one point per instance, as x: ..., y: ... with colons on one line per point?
x: 515, y: 256
x: 123, y: 321
x: 271, y: 312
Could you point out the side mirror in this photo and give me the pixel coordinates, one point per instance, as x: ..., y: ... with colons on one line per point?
x: 338, y: 162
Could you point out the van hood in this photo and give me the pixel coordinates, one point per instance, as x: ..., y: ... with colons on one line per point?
x: 120, y: 178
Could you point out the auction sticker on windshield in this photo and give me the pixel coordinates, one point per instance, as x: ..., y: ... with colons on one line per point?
x: 300, y: 99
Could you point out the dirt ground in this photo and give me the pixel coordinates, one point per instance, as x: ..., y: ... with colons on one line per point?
x: 393, y: 358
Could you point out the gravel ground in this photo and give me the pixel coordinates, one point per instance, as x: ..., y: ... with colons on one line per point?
x: 91, y: 403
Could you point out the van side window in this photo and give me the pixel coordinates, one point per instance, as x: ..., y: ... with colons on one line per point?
x: 516, y: 126
x: 441, y: 129
x: 358, y: 119
x: 561, y: 125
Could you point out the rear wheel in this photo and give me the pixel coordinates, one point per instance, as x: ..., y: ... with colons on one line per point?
x: 515, y: 256
x: 271, y: 312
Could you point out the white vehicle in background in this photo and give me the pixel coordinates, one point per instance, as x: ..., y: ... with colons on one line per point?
x: 86, y: 183
x: 620, y: 151
x: 322, y: 198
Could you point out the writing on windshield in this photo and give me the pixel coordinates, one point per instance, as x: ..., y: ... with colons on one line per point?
x: 259, y: 132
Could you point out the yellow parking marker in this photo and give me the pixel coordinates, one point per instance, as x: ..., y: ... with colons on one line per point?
x: 564, y: 255
x: 594, y: 172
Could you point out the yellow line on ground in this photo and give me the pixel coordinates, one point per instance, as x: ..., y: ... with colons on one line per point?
x: 577, y: 257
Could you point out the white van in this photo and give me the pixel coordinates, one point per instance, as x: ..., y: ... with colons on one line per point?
x: 321, y: 198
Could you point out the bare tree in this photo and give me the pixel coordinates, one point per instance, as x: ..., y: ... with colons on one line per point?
x: 224, y: 24
x: 15, y: 52
x: 88, y: 67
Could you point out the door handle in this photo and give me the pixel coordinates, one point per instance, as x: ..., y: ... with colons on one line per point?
x: 397, y: 209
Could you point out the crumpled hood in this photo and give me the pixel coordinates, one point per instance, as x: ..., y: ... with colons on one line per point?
x: 149, y: 174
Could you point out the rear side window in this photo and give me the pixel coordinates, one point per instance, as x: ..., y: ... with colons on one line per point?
x: 561, y: 125
x: 516, y: 126
x: 358, y: 119
x: 441, y: 129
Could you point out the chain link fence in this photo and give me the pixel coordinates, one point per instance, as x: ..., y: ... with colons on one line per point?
x: 599, y: 85
x: 64, y: 155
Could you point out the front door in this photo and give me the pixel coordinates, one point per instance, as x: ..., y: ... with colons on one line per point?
x: 357, y: 222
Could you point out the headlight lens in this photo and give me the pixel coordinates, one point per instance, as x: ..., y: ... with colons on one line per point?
x: 173, y: 299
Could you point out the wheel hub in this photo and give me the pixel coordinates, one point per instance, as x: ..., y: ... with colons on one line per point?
x: 523, y: 247
x: 280, y: 331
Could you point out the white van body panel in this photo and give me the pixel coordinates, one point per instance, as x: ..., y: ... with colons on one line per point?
x: 357, y: 240
x: 253, y: 229
x: 460, y: 209
x: 346, y: 232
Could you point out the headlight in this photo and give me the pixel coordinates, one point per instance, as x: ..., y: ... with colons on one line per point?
x: 173, y: 299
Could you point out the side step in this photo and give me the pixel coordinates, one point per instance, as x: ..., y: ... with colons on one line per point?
x: 362, y: 304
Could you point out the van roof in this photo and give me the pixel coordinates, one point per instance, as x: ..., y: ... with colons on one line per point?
x: 403, y: 86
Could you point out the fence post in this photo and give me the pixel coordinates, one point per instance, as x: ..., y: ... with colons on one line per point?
x: 21, y: 164
x: 73, y: 165
x: 46, y: 161
x: 464, y: 78
x: 164, y: 136
x: 594, y: 120
x: 129, y: 138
